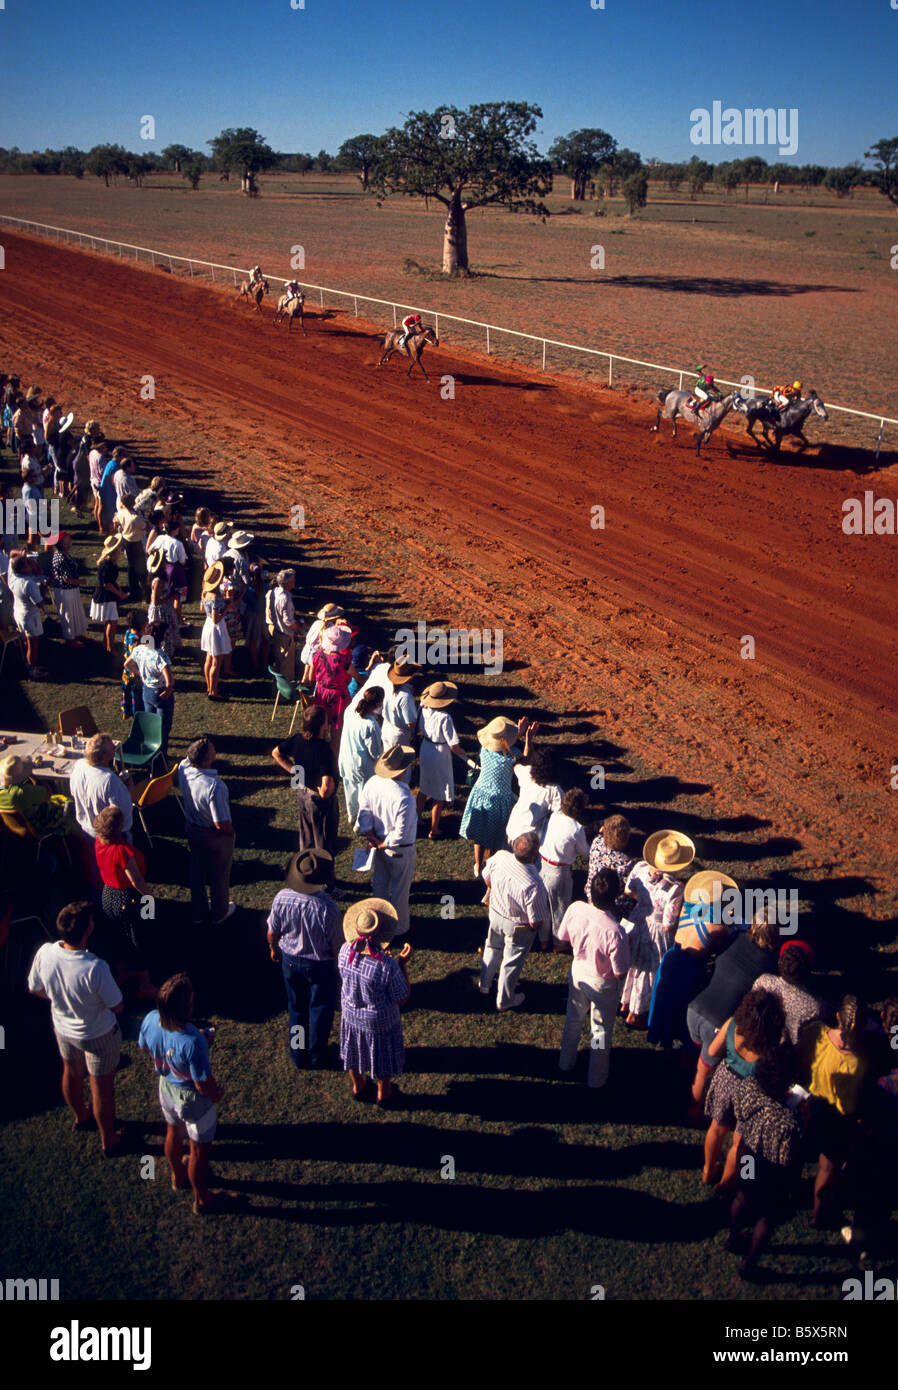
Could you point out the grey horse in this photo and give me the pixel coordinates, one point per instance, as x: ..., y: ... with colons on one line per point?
x: 414, y: 348
x: 761, y: 410
x: 674, y: 406
x: 291, y: 309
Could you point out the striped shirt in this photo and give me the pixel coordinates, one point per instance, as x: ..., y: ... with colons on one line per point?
x: 306, y: 924
x: 517, y: 892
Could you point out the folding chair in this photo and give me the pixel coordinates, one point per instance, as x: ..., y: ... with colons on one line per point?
x: 291, y: 692
x: 10, y: 637
x: 71, y: 720
x: 144, y: 742
x: 149, y: 792
x: 17, y: 824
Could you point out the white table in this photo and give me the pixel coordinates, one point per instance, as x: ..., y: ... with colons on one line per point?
x: 58, y: 762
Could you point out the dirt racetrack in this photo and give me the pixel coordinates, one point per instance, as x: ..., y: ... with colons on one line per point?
x: 480, y: 509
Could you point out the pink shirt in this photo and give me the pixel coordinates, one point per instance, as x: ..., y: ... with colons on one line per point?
x: 598, y: 942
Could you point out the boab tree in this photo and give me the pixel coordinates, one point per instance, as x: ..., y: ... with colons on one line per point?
x: 242, y: 151
x: 466, y: 159
x: 580, y: 156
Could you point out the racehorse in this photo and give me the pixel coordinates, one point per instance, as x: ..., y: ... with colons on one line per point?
x: 761, y: 410
x: 674, y: 406
x: 254, y: 291
x: 288, y: 308
x: 414, y: 348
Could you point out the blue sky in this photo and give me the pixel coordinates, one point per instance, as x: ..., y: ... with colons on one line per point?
x: 336, y: 68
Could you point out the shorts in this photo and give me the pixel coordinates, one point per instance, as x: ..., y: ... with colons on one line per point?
x: 101, y: 1054
x: 187, y: 1112
x: 829, y: 1132
x: 702, y: 1032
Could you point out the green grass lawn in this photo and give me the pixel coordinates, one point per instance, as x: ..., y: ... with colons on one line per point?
x: 555, y: 1189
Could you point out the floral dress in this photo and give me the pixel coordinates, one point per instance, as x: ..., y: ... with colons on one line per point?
x: 331, y: 672
x: 656, y: 916
x: 163, y: 611
x: 490, y: 801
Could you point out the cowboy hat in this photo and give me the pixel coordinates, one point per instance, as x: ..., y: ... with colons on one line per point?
x: 110, y: 546
x: 220, y: 530
x: 330, y: 610
x: 373, y: 918
x: 669, y: 850
x: 402, y: 671
x: 395, y: 761
x: 66, y: 422
x: 213, y: 576
x: 240, y: 540
x: 439, y: 695
x: 336, y: 638
x: 154, y: 561
x: 308, y: 871
x: 498, y: 731
x: 14, y: 770
x: 33, y: 394
x: 700, y: 887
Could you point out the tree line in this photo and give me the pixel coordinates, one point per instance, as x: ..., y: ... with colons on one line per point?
x: 465, y: 159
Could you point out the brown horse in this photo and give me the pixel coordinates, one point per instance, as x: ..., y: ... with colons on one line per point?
x: 290, y: 309
x: 414, y: 348
x: 254, y: 292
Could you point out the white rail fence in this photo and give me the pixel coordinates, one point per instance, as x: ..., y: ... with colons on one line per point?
x: 493, y: 332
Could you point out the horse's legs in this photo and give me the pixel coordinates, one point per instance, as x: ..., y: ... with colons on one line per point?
x: 657, y: 425
x: 805, y: 443
x: 674, y: 423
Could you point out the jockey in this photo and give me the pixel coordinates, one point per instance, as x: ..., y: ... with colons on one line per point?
x: 704, y: 389
x: 292, y: 290
x: 412, y: 323
x: 784, y: 396
x: 255, y: 276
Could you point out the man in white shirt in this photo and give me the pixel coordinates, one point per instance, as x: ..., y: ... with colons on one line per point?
x: 124, y: 480
x: 282, y: 625
x: 217, y: 543
x: 601, y: 953
x: 519, y: 908
x: 562, y: 841
x: 84, y: 1000
x: 93, y: 786
x: 388, y: 816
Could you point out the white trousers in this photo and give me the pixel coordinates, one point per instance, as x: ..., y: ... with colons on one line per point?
x: 504, y: 954
x: 392, y: 879
x: 598, y: 998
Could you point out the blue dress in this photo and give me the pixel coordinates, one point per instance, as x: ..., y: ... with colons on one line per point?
x: 490, y: 801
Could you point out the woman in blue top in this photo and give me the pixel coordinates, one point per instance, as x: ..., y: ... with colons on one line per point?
x: 757, y: 1027
x: 683, y: 971
x: 492, y: 795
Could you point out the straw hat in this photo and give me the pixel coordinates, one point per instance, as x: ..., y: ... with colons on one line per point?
x: 336, y: 638
x: 330, y: 610
x: 307, y: 871
x: 14, y: 770
x: 240, y: 540
x: 110, y: 546
x: 220, y: 530
x: 497, y: 731
x: 154, y: 561
x: 374, y: 919
x: 439, y: 695
x: 66, y: 422
x: 700, y: 887
x: 402, y: 671
x: 395, y: 761
x: 213, y: 577
x: 670, y: 851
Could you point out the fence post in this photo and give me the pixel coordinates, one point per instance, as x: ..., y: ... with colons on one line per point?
x: 681, y: 381
x: 882, y: 425
x: 355, y: 305
x: 321, y: 297
x: 212, y: 268
x: 436, y: 321
x: 394, y: 316
x: 170, y: 266
x: 544, y: 354
x: 610, y: 367
x: 487, y: 340
x: 190, y: 264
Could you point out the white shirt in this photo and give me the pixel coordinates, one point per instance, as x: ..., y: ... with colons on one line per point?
x: 171, y: 548
x: 93, y: 789
x: 438, y: 726
x: 388, y: 809
x: 125, y: 484
x: 516, y: 890
x: 400, y: 711
x: 377, y: 680
x: 563, y: 840
x: 214, y: 550
x: 80, y: 988
x: 27, y: 595
x: 533, y: 806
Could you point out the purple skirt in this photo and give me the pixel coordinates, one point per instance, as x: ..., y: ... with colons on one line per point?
x: 377, y: 1050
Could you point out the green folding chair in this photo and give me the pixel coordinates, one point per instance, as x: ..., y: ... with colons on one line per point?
x: 144, y: 742
x: 291, y: 692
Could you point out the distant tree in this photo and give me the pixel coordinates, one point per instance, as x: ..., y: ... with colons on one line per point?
x: 781, y: 173
x: 193, y: 166
x: 107, y: 161
x: 137, y: 166
x: 811, y: 176
x: 466, y: 159
x: 245, y: 152
x: 672, y: 174
x: 698, y: 172
x: 624, y: 163
x: 753, y: 170
x: 580, y: 155
x: 885, y: 176
x: 176, y: 154
x: 323, y: 161
x: 72, y: 161
x: 635, y: 188
x: 841, y: 181
x: 727, y: 175
x: 360, y: 153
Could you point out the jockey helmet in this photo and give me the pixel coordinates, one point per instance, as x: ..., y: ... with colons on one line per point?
x: 796, y: 386
x: 709, y: 380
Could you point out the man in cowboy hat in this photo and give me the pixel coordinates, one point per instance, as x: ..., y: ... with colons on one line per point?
x: 518, y: 906
x: 238, y: 549
x: 388, y: 817
x: 305, y: 935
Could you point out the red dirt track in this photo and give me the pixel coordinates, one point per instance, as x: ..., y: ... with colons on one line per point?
x: 639, y: 624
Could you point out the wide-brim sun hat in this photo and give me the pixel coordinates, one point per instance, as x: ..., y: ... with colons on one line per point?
x: 14, y: 770
x: 330, y: 610
x: 66, y: 422
x: 110, y: 546
x: 402, y: 671
x: 395, y: 761
x: 498, y: 731
x: 374, y: 919
x: 669, y: 851
x: 240, y: 540
x: 220, y: 530
x: 700, y: 887
x: 213, y: 576
x: 154, y: 561
x: 336, y: 638
x: 308, y: 871
x: 439, y: 695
